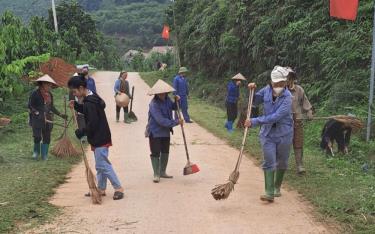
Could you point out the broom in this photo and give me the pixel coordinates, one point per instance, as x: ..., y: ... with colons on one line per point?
x: 222, y: 191
x: 131, y: 113
x: 354, y: 122
x: 190, y: 168
x: 64, y: 147
x: 95, y: 195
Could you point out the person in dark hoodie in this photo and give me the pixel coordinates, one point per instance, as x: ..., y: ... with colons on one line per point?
x: 97, y: 132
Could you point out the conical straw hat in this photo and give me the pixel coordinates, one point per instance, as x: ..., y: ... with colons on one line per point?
x: 239, y: 76
x: 160, y: 87
x: 46, y: 78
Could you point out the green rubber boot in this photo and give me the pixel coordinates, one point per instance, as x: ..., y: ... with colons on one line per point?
x: 36, y: 151
x: 126, y: 118
x: 279, y: 176
x: 269, y: 177
x: 163, y: 166
x: 156, y: 167
x: 44, y: 151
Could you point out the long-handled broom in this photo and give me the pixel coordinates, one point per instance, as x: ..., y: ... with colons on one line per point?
x: 190, y: 168
x: 222, y: 191
x: 131, y: 113
x: 95, y: 195
x: 64, y: 147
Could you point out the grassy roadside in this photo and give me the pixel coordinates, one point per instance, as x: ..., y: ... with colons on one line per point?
x: 340, y: 188
x: 25, y: 184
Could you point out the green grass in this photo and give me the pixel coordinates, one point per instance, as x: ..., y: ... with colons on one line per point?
x: 339, y: 188
x: 25, y: 184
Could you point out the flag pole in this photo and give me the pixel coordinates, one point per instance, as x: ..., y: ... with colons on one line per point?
x: 371, y: 96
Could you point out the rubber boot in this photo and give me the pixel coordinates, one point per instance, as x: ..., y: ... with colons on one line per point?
x: 230, y: 126
x: 117, y: 117
x: 44, y: 151
x: 163, y: 166
x: 36, y: 151
x: 156, y: 167
x: 269, y: 177
x: 298, y: 154
x: 279, y: 176
x: 126, y: 118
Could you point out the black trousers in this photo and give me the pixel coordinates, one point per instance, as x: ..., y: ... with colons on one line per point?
x: 232, y: 111
x: 42, y: 134
x: 159, y: 145
x: 118, y: 108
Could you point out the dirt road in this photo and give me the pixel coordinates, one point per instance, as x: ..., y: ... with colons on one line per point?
x: 183, y: 204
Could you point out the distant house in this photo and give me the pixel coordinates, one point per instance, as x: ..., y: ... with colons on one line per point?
x: 159, y: 49
x: 162, y: 49
x: 128, y: 56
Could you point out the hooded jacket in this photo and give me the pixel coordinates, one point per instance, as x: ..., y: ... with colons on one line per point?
x: 97, y: 128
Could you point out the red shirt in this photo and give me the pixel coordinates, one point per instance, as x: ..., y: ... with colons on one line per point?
x: 106, y: 145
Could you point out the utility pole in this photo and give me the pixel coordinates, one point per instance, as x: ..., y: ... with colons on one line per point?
x: 177, y: 51
x: 371, y: 96
x: 54, y: 16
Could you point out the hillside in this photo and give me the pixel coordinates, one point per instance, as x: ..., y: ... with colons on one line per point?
x: 133, y: 24
x: 219, y: 38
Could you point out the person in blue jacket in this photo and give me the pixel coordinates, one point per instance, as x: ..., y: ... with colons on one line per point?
x: 276, y: 134
x: 159, y: 127
x: 181, y: 87
x: 233, y: 94
x: 89, y: 80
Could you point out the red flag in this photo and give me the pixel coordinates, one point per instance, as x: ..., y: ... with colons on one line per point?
x: 344, y: 9
x: 165, y: 33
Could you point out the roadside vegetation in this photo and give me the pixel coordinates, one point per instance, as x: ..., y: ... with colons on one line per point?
x: 26, y: 184
x: 340, y: 188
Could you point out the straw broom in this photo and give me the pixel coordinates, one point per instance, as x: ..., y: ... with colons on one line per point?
x: 222, y: 191
x: 95, y: 195
x: 354, y: 122
x: 64, y: 147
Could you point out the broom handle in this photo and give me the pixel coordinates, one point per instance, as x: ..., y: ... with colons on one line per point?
x: 249, y: 108
x: 80, y: 142
x: 131, y: 101
x: 183, y: 131
x: 65, y: 121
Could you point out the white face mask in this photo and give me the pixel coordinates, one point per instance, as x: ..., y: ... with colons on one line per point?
x: 278, y: 90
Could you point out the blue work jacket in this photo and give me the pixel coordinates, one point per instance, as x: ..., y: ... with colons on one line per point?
x: 91, y: 84
x: 233, y: 92
x: 277, y: 120
x: 160, y: 118
x: 181, y: 86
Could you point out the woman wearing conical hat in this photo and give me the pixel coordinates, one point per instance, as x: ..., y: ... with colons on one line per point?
x: 159, y: 127
x: 41, y: 115
x: 233, y: 93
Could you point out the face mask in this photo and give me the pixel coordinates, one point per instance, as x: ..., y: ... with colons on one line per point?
x: 278, y: 90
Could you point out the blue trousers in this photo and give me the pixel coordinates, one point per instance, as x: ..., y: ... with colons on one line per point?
x: 104, y: 169
x: 184, y: 108
x: 276, y: 152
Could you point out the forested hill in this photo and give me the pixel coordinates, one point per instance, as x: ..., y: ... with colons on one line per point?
x: 132, y: 23
x: 222, y: 37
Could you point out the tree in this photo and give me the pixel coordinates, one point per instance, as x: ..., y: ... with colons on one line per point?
x: 71, y: 15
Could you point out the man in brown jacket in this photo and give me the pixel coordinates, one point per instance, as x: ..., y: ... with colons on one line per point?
x: 300, y: 106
